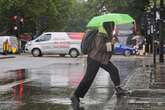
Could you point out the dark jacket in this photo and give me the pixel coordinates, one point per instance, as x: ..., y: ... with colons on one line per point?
x: 99, y: 49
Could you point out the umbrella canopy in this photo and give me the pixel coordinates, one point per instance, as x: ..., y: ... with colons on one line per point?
x: 97, y: 21
x: 118, y: 18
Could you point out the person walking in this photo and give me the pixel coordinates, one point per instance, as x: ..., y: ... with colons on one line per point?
x: 99, y: 56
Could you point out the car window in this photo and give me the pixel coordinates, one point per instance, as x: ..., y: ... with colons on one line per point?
x: 45, y: 37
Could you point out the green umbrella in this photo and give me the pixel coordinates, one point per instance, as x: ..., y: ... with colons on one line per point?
x: 97, y: 21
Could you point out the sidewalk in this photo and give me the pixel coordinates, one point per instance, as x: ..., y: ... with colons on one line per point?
x: 147, y: 91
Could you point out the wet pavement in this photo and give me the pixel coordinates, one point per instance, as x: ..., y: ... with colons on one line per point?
x: 146, y: 88
x: 159, y: 76
x: 49, y: 87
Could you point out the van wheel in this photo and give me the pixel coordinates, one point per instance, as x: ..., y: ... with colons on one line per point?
x: 74, y: 53
x: 36, y: 52
x: 127, y: 53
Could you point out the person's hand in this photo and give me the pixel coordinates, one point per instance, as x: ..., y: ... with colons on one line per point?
x: 109, y: 46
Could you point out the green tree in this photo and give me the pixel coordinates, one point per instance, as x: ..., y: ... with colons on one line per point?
x: 65, y: 15
x: 82, y: 11
x: 80, y: 14
x: 32, y: 10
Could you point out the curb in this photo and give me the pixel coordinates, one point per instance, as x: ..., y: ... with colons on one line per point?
x: 113, y: 101
x: 6, y: 57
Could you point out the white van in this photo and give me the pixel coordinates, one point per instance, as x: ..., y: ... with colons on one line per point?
x: 13, y: 42
x: 54, y: 43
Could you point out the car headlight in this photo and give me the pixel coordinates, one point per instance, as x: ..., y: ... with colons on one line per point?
x: 28, y: 44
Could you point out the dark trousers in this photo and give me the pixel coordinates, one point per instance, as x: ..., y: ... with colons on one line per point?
x: 5, y: 52
x: 91, y: 71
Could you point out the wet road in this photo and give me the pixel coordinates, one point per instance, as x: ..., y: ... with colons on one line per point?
x: 49, y: 87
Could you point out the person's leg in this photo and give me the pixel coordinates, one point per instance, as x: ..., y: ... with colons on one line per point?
x: 91, y: 71
x: 113, y: 71
x: 5, y: 52
x: 114, y: 74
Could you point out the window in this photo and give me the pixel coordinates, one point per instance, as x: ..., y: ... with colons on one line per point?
x: 45, y: 37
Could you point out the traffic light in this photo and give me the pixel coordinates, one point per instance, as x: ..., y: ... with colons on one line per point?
x: 17, y: 22
x: 14, y: 18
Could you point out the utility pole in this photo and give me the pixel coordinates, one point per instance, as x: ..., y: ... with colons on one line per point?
x: 162, y: 17
x: 154, y: 34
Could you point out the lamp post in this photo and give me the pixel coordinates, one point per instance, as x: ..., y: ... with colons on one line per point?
x: 161, y: 53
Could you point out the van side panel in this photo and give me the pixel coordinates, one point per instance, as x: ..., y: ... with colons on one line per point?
x: 60, y: 43
x: 13, y: 42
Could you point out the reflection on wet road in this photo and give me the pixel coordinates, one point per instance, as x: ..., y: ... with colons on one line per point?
x: 49, y: 88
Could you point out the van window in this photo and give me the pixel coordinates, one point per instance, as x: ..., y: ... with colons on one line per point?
x: 45, y: 37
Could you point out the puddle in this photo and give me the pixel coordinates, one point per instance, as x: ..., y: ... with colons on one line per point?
x: 12, y: 76
x: 49, y: 88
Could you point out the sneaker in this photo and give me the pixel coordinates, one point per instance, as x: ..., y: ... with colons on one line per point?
x: 75, y: 102
x: 120, y: 91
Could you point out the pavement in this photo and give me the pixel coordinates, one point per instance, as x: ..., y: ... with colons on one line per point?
x: 147, y: 90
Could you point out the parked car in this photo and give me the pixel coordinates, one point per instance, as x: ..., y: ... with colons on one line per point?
x: 61, y: 43
x: 122, y: 49
x: 13, y: 43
